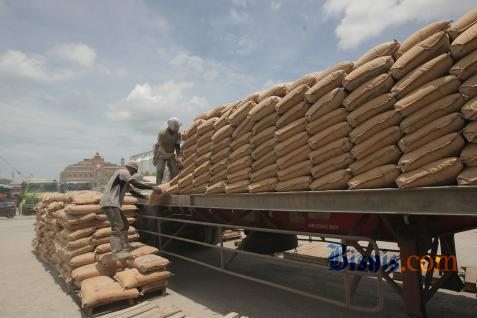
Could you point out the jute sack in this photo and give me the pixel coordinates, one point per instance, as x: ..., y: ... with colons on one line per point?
x: 219, y: 145
x: 449, y: 145
x: 438, y: 128
x: 86, y: 197
x: 466, y: 67
x: 427, y: 94
x: 217, y: 167
x: 373, y: 88
x: 440, y: 172
x: 371, y: 108
x: 333, y: 164
x: 374, y: 125
x: 223, y: 120
x: 336, y: 180
x: 324, y: 86
x: 186, y: 190
x: 278, y: 90
x: 469, y: 155
x: 103, y: 290
x: 265, y: 185
x: 104, y: 240
x: 219, y: 176
x: 467, y: 177
x: 240, y: 175
x: 189, y: 161
x: 295, y: 156
x: 87, y: 271
x: 245, y: 127
x: 74, y: 235
x: 334, y: 117
x: 219, y: 110
x: 152, y: 287
x: 78, y: 243
x: 421, y: 35
x: 388, y: 136
x: 264, y: 123
x: 291, y: 144
x: 239, y: 164
x: 383, y: 49
x: 462, y: 24
x: 464, y: 43
x: 367, y: 71
x: 149, y: 263
x: 107, y: 264
x: 331, y: 150
x: 236, y: 117
x: 308, y: 79
x: 328, y: 135
x: 379, y: 177
x: 173, y: 189
x: 240, y: 141
x: 429, y: 71
x: 287, y: 131
x: 82, y: 259
x: 423, y: 51
x: 387, y: 155
x: 220, y: 155
x: 207, y: 126
x: 242, y: 151
x: 82, y: 209
x: 75, y: 227
x: 205, y: 138
x: 346, y: 66
x: 265, y: 160
x: 296, y: 112
x: 132, y: 278
x: 264, y: 173
x: 186, y: 180
x: 470, y: 132
x: 469, y: 110
x: 106, y: 248
x: 262, y: 136
x: 223, y: 133
x: 203, y: 168
x: 253, y: 97
x: 294, y: 97
x: 106, y: 232
x: 264, y: 108
x: 202, y: 150
x: 238, y: 187
x: 295, y: 184
x: 53, y: 206
x: 297, y: 170
x: 263, y: 149
x: 469, y: 87
x: 71, y: 219
x: 326, y: 104
x: 437, y: 109
x: 201, y: 180
x: 185, y: 171
x: 218, y: 187
x: 143, y: 250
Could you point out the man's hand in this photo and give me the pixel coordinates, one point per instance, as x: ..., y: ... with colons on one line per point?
x: 179, y: 161
x: 157, y: 189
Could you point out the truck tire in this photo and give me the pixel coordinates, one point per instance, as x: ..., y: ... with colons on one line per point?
x: 269, y: 243
x: 11, y: 213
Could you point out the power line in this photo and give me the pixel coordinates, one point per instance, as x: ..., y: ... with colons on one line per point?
x: 11, y: 166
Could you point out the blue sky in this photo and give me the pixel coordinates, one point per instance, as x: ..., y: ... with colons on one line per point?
x: 78, y: 77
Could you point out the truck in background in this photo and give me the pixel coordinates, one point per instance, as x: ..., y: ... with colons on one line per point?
x: 31, y: 191
x: 76, y: 186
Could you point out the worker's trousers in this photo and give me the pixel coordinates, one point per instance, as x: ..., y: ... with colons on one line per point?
x: 161, y: 166
x: 119, y: 229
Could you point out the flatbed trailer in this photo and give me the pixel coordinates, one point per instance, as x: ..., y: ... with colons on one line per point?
x: 421, y: 221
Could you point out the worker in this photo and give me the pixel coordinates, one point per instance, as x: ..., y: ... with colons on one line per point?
x: 121, y: 181
x: 168, y: 141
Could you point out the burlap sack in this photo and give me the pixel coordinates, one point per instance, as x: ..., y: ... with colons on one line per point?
x: 466, y: 67
x: 346, y: 66
x: 429, y: 71
x: 75, y: 227
x: 242, y: 151
x: 421, y: 35
x: 186, y: 170
x: 253, y: 97
x: 326, y: 104
x: 264, y: 173
x: 205, y: 138
x: 189, y: 161
x: 379, y: 177
x: 83, y: 259
x: 71, y: 219
x: 240, y: 141
x: 220, y: 145
x: 279, y: 90
x: 186, y: 180
x: 103, y: 290
x: 370, y: 109
x: 264, y: 148
x: 106, y: 232
x: 186, y: 190
x: 143, y: 250
x: 328, y: 135
x: 468, y: 176
x: 149, y: 263
x: 217, y: 187
x: 238, y: 187
x: 294, y: 97
x: 220, y: 155
x: 469, y: 155
x: 203, y: 149
x: 132, y: 278
x: 388, y: 136
x: 264, y: 123
x: 374, y: 125
x: 264, y: 108
x: 85, y: 197
x: 173, y: 189
x: 470, y: 132
x: 239, y: 164
x: 203, y: 158
x: 334, y: 117
x: 207, y: 126
x: 265, y: 185
x: 263, y: 136
x: 440, y: 172
x: 104, y: 240
x: 429, y: 113
x: 236, y: 117
x: 462, y: 24
x: 333, y: 164
x: 336, y: 180
x: 240, y: 175
x: 469, y: 110
x: 295, y: 184
x: 265, y: 160
x: 106, y: 248
x: 308, y: 79
x: 289, y: 130
x: 469, y: 87
x: 77, y: 234
x: 192, y: 130
x: 222, y: 133
x: 203, y: 168
x: 295, y: 156
x: 331, y: 150
x: 438, y: 128
x: 387, y: 155
x: 87, y: 271
x: 427, y: 94
x: 53, y: 206
x: 367, y: 72
x: 449, y: 145
x: 296, y: 112
x: 297, y: 170
x: 373, y: 88
x: 217, y: 167
x: 223, y: 119
x: 464, y: 43
x: 219, y: 176
x: 383, y: 49
x: 243, y: 128
x: 325, y: 85
x: 423, y: 51
x: 291, y: 144
x: 200, y: 180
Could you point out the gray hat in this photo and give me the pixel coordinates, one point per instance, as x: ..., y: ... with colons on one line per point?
x: 133, y: 165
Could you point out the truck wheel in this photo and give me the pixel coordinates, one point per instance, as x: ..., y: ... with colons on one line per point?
x: 269, y: 243
x: 11, y: 213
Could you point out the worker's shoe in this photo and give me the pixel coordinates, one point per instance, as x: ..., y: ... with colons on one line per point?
x: 122, y: 255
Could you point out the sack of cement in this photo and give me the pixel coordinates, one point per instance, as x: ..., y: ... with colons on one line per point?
x: 239, y: 164
x: 223, y: 133
x: 206, y: 126
x: 241, y: 113
x: 384, y: 156
x: 242, y: 151
x: 240, y: 175
x: 334, y: 117
x: 218, y: 187
x: 223, y: 119
x: 205, y: 138
x: 132, y: 278
x: 328, y: 135
x: 203, y: 158
x: 388, y: 136
x: 284, y: 147
x: 440, y: 172
x: 192, y: 130
x: 374, y: 125
x: 220, y: 155
x: 308, y: 79
x: 243, y: 128
x: 370, y: 109
x: 265, y: 185
x: 265, y: 160
x: 289, y: 130
x: 264, y: 149
x: 326, y: 104
x: 220, y: 176
x: 240, y: 141
x: 330, y: 165
x: 379, y: 177
x: 238, y: 187
x: 324, y: 86
x: 297, y: 170
x: 447, y: 146
x: 367, y: 72
x: 220, y: 145
x: 469, y: 87
x: 278, y: 90
x: 102, y: 290
x: 336, y: 180
x: 82, y: 209
x: 469, y: 110
x: 383, y: 49
x: 466, y: 67
x: 464, y: 43
x: 263, y: 136
x: 296, y: 112
x: 469, y: 155
x: 470, y: 132
x: 295, y: 156
x: 371, y: 89
x: 295, y: 184
x: 203, y: 149
x: 149, y: 263
x: 203, y: 168
x: 268, y: 121
x: 294, y: 97
x: 264, y: 108
x: 462, y: 24
x: 468, y: 176
x: 331, y: 150
x: 264, y: 173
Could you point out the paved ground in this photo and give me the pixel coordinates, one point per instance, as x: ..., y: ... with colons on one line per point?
x: 27, y: 290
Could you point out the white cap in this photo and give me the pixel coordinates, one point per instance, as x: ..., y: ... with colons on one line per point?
x: 173, y: 123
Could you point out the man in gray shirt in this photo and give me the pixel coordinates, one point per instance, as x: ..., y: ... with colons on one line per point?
x: 121, y: 181
x: 168, y: 141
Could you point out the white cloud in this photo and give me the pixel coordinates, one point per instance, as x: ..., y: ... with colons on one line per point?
x: 361, y: 20
x: 78, y: 53
x: 275, y: 5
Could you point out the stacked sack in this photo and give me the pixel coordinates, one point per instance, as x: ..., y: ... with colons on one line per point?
x: 183, y: 182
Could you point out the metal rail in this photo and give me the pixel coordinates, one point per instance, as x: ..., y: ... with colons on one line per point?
x: 451, y: 200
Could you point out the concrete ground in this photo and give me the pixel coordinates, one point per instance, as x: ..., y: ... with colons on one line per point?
x: 27, y: 289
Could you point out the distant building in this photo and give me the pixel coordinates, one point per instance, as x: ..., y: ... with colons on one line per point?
x: 144, y: 161
x: 94, y: 170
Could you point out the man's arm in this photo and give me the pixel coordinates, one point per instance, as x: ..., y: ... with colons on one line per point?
x: 178, y: 149
x: 136, y: 194
x: 140, y: 185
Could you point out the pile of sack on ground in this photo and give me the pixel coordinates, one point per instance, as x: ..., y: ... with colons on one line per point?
x: 403, y: 114
x: 72, y: 236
